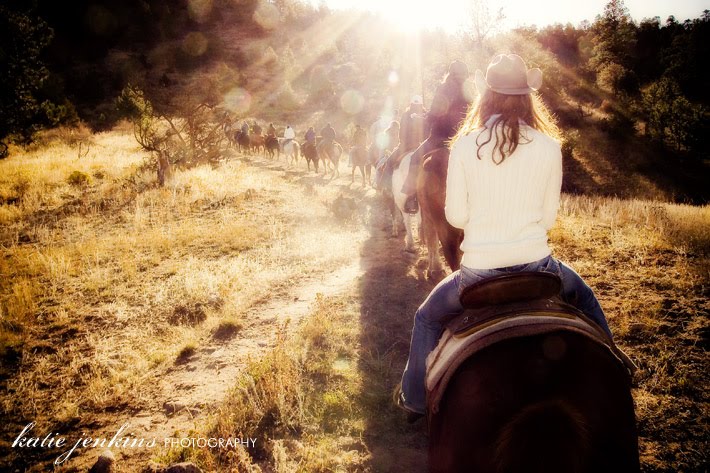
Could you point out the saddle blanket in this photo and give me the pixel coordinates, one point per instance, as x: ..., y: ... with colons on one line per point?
x: 452, y: 351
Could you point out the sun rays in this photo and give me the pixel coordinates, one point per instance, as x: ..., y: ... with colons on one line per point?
x: 394, y: 57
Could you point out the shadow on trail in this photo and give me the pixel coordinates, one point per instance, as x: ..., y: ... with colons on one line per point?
x: 391, y: 289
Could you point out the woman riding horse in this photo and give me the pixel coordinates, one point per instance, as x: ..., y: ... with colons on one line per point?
x: 503, y: 190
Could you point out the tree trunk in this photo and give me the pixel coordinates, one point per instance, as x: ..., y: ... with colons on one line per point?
x: 165, y: 172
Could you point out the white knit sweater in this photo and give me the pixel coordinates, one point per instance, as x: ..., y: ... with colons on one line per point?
x: 504, y: 209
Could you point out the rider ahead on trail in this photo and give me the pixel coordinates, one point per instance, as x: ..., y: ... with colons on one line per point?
x: 503, y: 190
x: 359, y: 137
x: 448, y: 109
x: 412, y: 127
x: 289, y: 134
x: 310, y: 136
x: 327, y: 135
x: 256, y: 128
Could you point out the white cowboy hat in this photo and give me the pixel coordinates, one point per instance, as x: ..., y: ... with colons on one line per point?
x: 507, y: 74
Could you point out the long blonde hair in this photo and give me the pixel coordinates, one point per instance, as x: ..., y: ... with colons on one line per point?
x: 512, y: 109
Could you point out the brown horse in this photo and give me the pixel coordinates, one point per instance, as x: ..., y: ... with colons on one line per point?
x: 553, y: 400
x: 359, y: 158
x: 258, y: 143
x: 310, y: 152
x: 431, y: 193
x: 243, y: 141
x: 272, y: 146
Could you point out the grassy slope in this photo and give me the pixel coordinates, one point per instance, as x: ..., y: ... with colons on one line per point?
x: 99, y: 277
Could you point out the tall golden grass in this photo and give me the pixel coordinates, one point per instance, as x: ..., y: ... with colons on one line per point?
x: 100, y: 276
x: 92, y: 274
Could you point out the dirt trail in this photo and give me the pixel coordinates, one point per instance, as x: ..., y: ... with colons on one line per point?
x: 183, y: 393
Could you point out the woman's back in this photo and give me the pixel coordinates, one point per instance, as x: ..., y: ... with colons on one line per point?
x: 505, y: 208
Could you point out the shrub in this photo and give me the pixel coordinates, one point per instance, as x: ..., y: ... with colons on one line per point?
x: 570, y: 140
x: 78, y: 179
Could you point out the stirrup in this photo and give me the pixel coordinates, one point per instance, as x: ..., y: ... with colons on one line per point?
x: 412, y: 416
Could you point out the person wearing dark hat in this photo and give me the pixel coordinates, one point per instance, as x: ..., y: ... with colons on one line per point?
x: 448, y: 109
x: 327, y: 135
x: 503, y: 190
x: 310, y: 136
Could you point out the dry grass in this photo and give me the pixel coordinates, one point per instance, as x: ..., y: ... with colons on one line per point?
x: 109, y: 282
x: 301, y: 402
x: 650, y: 266
x: 648, y: 262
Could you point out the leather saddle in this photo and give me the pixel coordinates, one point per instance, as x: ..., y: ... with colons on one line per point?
x: 492, y: 300
x: 501, y: 308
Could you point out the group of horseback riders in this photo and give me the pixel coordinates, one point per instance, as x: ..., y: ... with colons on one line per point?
x: 322, y: 142
x: 418, y: 130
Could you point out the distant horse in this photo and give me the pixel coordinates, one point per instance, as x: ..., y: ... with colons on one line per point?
x: 257, y: 142
x: 330, y: 158
x: 310, y: 152
x: 359, y: 159
x: 243, y: 141
x: 398, y: 198
x: 291, y: 149
x: 431, y: 194
x: 272, y: 146
x: 538, y: 392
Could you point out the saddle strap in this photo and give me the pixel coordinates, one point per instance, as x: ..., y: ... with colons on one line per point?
x: 474, y: 320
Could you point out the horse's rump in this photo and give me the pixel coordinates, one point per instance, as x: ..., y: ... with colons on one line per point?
x: 291, y: 148
x: 308, y: 149
x: 271, y: 144
x: 431, y: 193
x: 257, y: 141
x: 243, y: 139
x: 528, y: 386
x: 555, y: 402
x: 359, y: 156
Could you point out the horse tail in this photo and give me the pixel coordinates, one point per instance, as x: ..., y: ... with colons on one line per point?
x: 549, y: 437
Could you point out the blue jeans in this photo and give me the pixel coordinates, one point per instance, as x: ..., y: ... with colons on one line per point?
x: 443, y: 304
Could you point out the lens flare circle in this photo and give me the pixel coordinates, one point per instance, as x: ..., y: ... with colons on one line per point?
x: 237, y: 101
x: 195, y: 44
x: 352, y: 102
x: 266, y: 15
